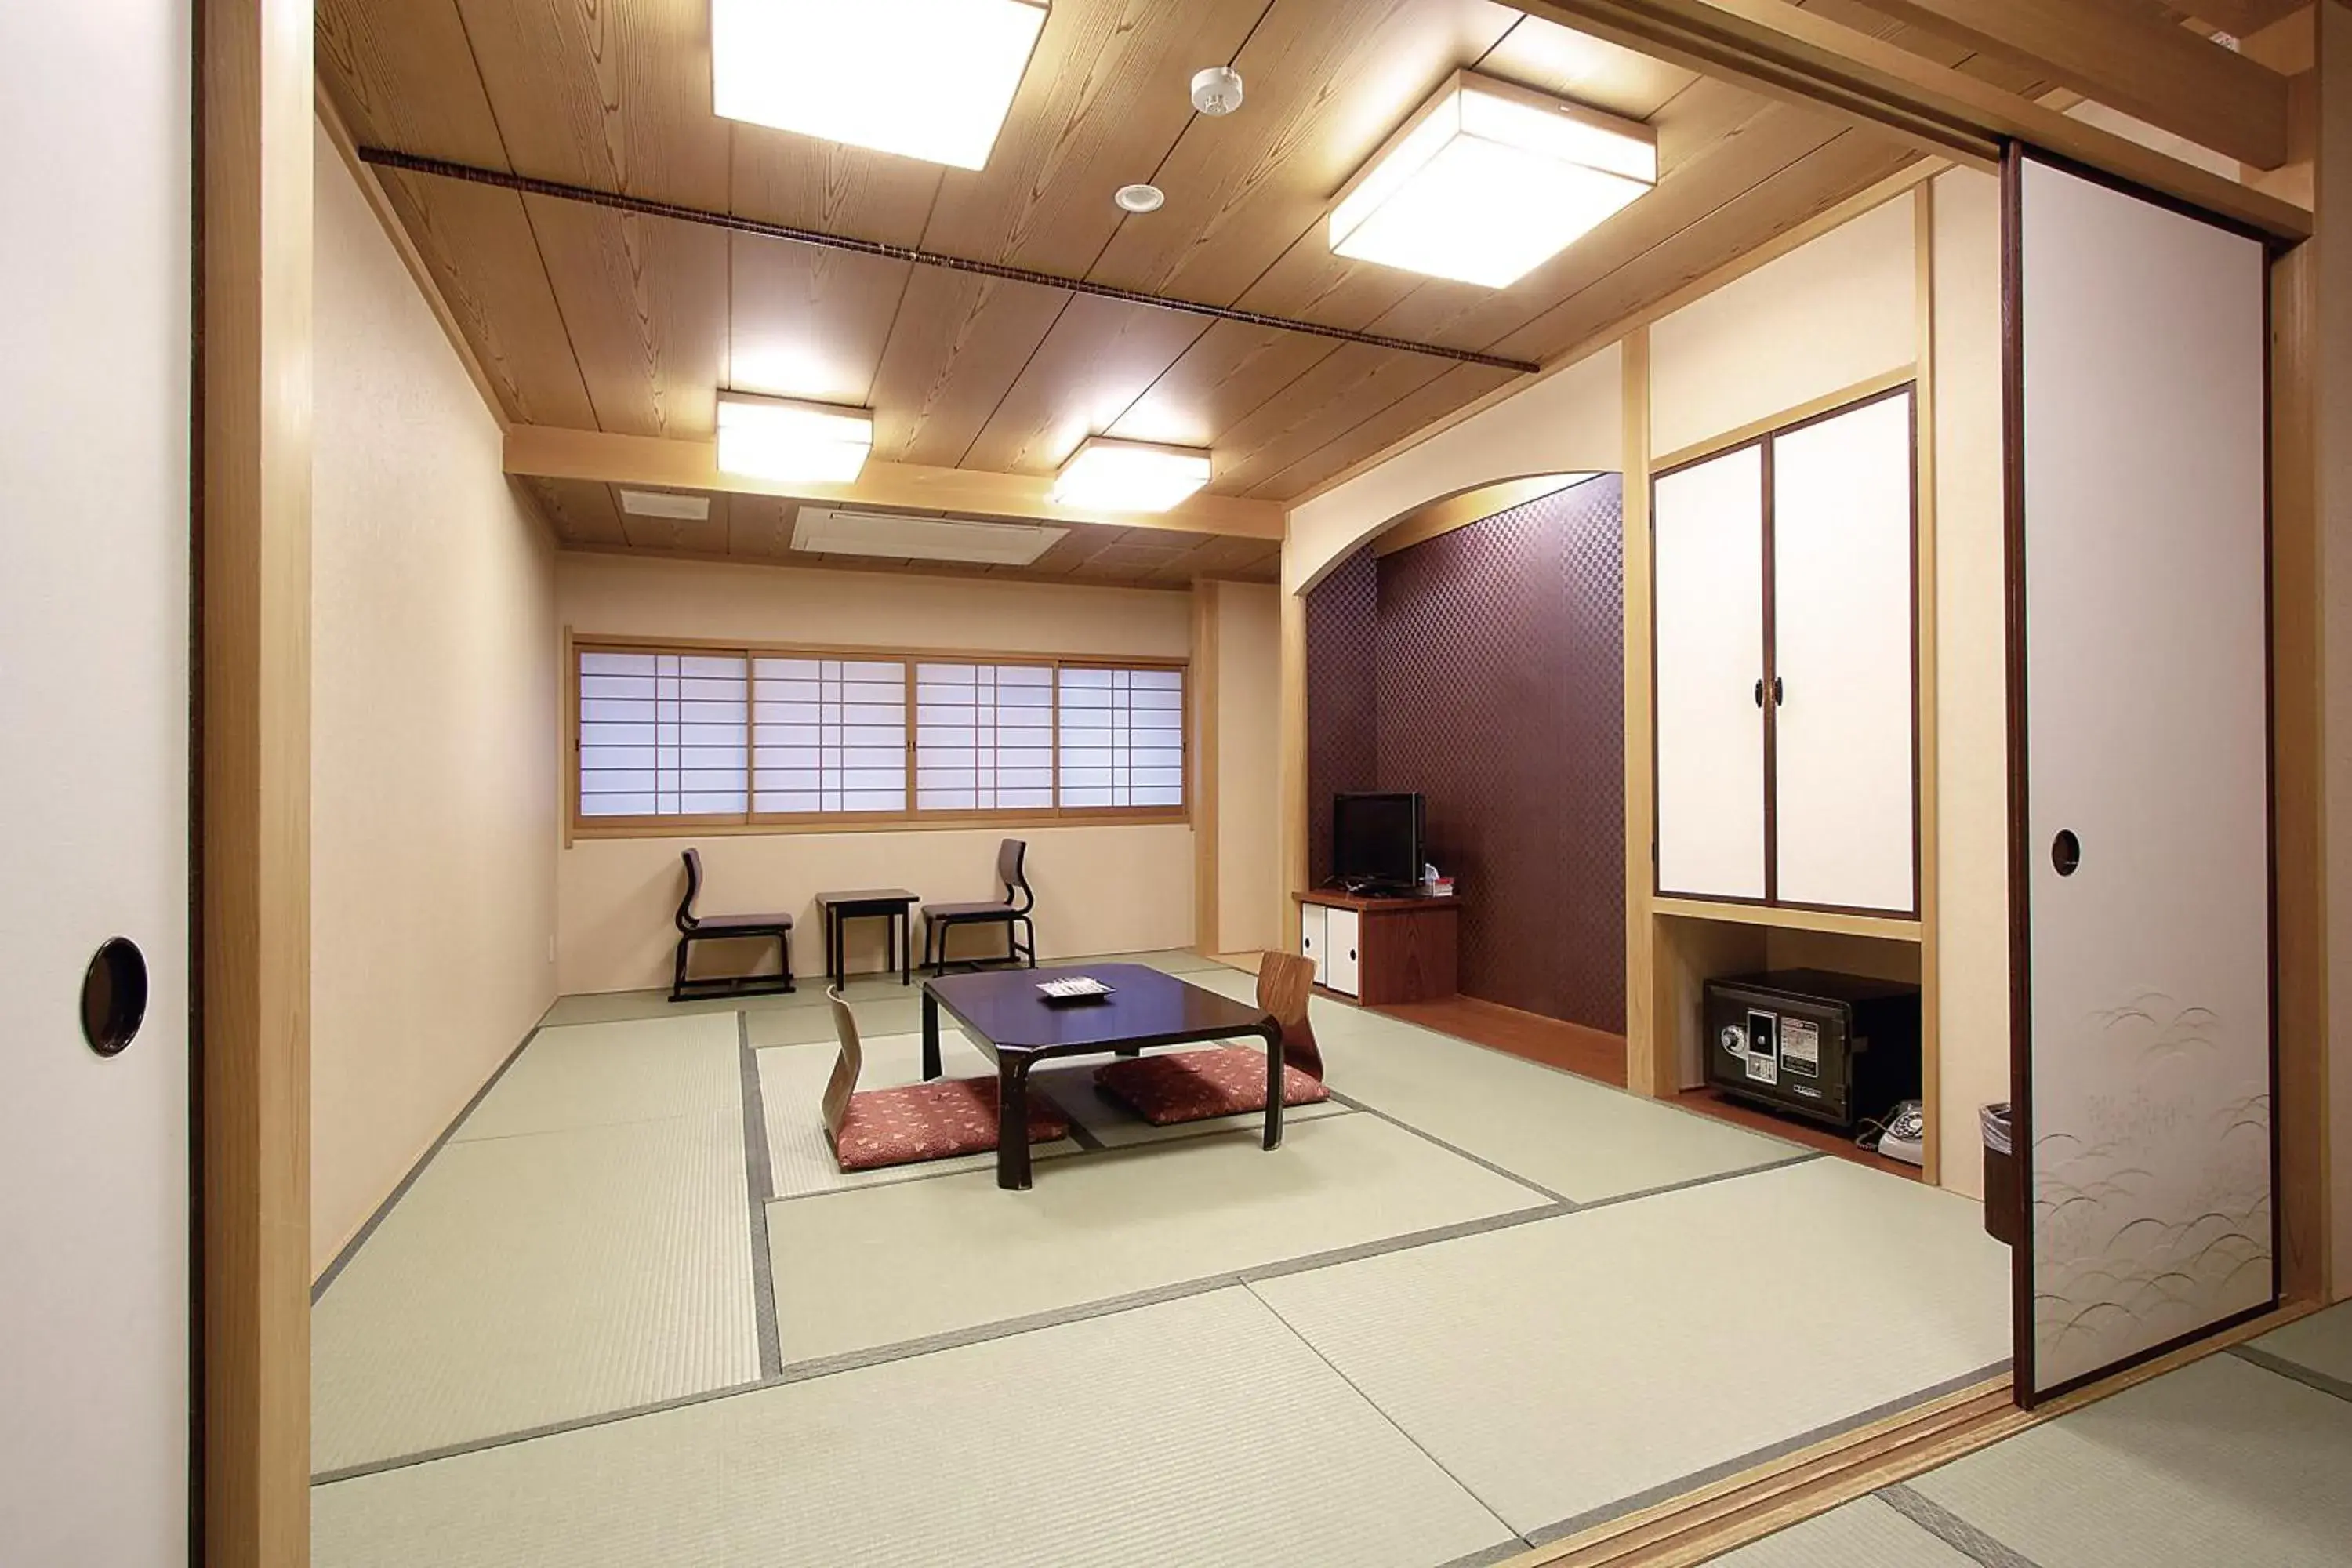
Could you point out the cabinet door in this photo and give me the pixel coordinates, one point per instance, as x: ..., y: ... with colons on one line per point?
x: 1342, y: 970
x: 1311, y: 937
x: 1845, y: 676
x: 1707, y: 553
x: 2141, y: 467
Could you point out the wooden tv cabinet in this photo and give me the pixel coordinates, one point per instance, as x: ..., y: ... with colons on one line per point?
x: 1378, y: 951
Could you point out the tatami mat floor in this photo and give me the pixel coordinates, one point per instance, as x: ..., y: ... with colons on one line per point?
x: 630, y: 1312
x: 2242, y: 1458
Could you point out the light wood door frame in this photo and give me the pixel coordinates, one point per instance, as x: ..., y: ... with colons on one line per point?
x: 252, y: 742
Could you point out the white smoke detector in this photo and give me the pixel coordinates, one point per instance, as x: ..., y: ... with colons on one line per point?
x: 1217, y: 91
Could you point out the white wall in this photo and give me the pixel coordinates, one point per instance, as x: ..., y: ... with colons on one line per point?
x: 1101, y: 887
x: 1829, y: 314
x: 433, y: 730
x: 1569, y: 422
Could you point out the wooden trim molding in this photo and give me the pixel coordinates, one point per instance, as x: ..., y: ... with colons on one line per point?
x: 1788, y: 917
x: 253, y: 779
x: 544, y: 451
x: 1798, y: 56
x: 1924, y: 753
x: 1788, y: 419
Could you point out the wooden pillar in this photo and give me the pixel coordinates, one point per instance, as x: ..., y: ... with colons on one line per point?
x: 1649, y: 1022
x: 1207, y: 938
x: 1292, y: 774
x: 252, y: 738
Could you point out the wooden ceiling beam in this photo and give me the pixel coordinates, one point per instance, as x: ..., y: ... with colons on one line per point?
x: 1777, y: 49
x: 2115, y: 52
x: 2241, y: 17
x: 541, y: 452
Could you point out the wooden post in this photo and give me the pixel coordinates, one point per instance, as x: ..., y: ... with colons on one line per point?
x: 253, y: 544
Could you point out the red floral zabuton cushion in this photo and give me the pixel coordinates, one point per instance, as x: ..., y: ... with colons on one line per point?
x: 1192, y: 1085
x: 936, y: 1121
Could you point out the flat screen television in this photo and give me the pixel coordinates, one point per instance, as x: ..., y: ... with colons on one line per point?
x: 1376, y: 841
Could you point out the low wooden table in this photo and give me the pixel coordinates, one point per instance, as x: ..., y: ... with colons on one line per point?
x: 1011, y: 1021
x: 891, y: 904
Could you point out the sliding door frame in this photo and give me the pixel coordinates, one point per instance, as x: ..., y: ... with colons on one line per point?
x: 2021, y: 834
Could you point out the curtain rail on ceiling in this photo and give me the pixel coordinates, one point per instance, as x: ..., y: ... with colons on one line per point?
x: 442, y: 169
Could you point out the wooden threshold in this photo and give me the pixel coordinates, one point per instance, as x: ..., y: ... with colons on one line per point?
x: 1707, y: 1101
x: 1571, y: 1047
x: 1704, y: 1524
x: 1713, y: 1519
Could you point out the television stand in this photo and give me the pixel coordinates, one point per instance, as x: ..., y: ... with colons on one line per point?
x: 1379, y: 950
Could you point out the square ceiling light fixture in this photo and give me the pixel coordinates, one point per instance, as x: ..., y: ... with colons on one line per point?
x: 1487, y: 181
x: 924, y: 79
x: 1130, y: 475
x: 790, y: 441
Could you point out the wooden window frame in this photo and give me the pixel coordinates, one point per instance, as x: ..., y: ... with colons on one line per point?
x: 912, y: 818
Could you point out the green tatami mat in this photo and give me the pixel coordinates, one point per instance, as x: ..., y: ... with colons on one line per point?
x: 1196, y: 1434
x: 880, y: 1265
x: 2320, y: 1343
x: 1865, y: 1534
x: 540, y: 1278
x: 598, y: 1075
x: 2220, y: 1463
x: 1564, y: 1369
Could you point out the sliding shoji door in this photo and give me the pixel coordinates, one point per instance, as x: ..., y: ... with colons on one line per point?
x: 1706, y: 527
x: 1844, y: 670
x: 2140, y: 877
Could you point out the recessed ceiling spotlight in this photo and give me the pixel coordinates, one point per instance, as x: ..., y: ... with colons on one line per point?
x: 1217, y: 91
x: 1488, y: 180
x: 1139, y: 198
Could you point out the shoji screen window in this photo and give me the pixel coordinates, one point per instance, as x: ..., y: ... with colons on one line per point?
x: 983, y: 737
x: 829, y: 735
x: 661, y: 734
x: 1122, y: 737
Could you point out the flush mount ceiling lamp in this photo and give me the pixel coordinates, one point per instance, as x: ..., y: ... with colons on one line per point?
x: 924, y: 79
x: 1130, y: 475
x: 1487, y: 181
x: 784, y: 439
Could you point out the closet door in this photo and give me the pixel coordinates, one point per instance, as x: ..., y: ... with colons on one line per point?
x: 2140, y: 885
x: 1706, y: 526
x: 1844, y: 780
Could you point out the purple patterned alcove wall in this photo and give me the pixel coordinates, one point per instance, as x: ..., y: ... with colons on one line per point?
x: 1484, y: 668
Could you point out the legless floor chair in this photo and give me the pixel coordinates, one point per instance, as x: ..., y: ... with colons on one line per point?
x: 1228, y: 1080
x: 935, y: 1120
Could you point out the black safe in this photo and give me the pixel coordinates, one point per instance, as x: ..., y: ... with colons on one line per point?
x: 1834, y: 1048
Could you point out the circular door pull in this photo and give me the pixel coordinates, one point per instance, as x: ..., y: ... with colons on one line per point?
x: 2065, y: 852
x: 114, y: 996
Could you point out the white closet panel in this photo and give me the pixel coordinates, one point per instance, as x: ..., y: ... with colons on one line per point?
x: 1841, y: 620
x: 1707, y: 532
x: 2149, y: 1114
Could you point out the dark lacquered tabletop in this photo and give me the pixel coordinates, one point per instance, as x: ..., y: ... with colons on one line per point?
x: 1146, y: 1006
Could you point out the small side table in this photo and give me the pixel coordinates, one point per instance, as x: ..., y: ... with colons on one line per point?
x: 895, y: 905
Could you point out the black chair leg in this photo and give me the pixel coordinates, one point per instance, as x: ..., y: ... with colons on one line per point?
x: 677, y: 976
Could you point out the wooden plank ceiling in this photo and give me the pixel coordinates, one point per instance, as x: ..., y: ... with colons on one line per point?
x: 587, y: 515
x: 595, y: 319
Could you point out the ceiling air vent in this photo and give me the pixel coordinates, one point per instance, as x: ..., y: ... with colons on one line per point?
x: 825, y: 531
x: 659, y: 503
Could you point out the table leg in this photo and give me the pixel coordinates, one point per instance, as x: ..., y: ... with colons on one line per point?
x: 1274, y: 1089
x: 930, y: 1036
x: 1012, y: 1122
x: 905, y: 926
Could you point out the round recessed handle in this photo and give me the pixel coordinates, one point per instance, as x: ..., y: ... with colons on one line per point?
x: 1759, y: 691
x: 114, y: 996
x: 2065, y: 852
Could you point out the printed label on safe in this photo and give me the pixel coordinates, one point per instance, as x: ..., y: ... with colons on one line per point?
x: 1801, y: 1046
